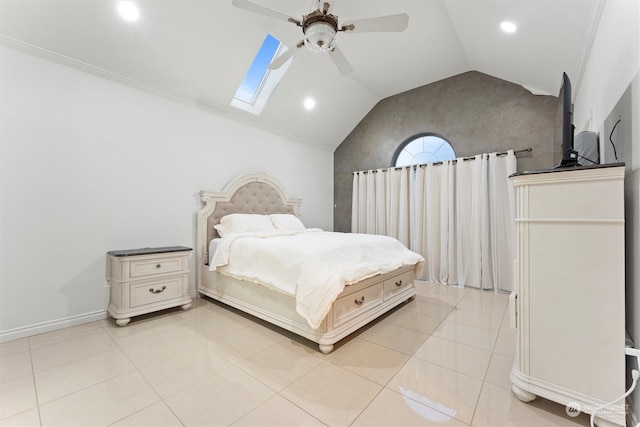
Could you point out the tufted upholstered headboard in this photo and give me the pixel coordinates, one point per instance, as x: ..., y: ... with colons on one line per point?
x: 252, y: 193
x: 251, y: 198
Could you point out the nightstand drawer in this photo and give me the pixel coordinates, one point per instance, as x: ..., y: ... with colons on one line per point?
x: 153, y: 291
x: 148, y: 267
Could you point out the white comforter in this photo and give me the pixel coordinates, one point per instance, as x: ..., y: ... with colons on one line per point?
x: 312, y: 265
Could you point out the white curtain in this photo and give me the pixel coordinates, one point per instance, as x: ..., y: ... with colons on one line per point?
x: 502, y: 219
x: 381, y: 203
x: 358, y: 203
x: 433, y: 200
x: 459, y: 215
x: 469, y: 227
x: 398, y: 204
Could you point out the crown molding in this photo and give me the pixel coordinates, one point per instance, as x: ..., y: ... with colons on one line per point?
x: 102, y: 73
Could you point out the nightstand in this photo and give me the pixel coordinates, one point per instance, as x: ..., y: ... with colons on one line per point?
x: 147, y: 280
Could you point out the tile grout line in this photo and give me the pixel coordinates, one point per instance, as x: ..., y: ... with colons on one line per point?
x: 33, y: 378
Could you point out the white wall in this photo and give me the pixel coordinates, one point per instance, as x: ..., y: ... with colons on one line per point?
x: 612, y: 65
x: 613, y: 69
x: 88, y: 165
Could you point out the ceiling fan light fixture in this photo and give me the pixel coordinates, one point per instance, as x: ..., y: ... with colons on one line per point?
x: 320, y: 37
x: 320, y: 28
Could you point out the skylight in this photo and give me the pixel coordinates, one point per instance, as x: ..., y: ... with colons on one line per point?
x: 259, y: 83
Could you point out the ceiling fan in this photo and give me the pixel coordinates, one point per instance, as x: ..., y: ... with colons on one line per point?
x: 320, y: 28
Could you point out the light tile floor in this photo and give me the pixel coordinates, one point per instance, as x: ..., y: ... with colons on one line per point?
x: 441, y: 359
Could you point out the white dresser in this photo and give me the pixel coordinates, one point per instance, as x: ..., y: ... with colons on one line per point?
x: 569, y: 303
x: 146, y: 280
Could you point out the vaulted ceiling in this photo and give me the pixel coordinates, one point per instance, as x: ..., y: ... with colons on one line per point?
x: 198, y: 51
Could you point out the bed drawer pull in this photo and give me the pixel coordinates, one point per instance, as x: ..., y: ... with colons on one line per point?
x: 399, y: 283
x: 359, y: 301
x: 157, y: 291
x: 158, y: 265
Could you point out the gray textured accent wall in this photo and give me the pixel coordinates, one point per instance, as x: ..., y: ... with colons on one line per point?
x: 475, y: 112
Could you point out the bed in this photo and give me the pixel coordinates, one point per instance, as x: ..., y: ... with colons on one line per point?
x: 349, y: 305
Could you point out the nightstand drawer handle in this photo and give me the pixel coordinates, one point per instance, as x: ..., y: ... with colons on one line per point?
x: 158, y: 265
x: 157, y: 291
x: 399, y: 283
x: 359, y: 301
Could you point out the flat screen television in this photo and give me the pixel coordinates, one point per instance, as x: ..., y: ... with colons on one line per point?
x: 565, y: 155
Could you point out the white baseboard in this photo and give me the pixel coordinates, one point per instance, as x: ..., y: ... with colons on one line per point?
x: 52, y: 325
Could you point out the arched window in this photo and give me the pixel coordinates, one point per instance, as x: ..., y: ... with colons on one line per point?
x: 423, y: 148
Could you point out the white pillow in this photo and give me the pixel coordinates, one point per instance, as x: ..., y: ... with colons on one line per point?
x: 286, y: 222
x: 242, y: 223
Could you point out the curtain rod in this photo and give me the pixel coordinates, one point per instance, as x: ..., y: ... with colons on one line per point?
x: 422, y: 165
x: 524, y: 150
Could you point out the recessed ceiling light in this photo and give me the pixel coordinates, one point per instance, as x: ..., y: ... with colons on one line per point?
x: 508, y: 27
x: 128, y: 10
x: 309, y: 103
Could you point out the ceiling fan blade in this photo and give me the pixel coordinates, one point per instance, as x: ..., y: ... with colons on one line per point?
x: 282, y: 59
x: 341, y: 62
x: 390, y: 23
x: 262, y: 10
